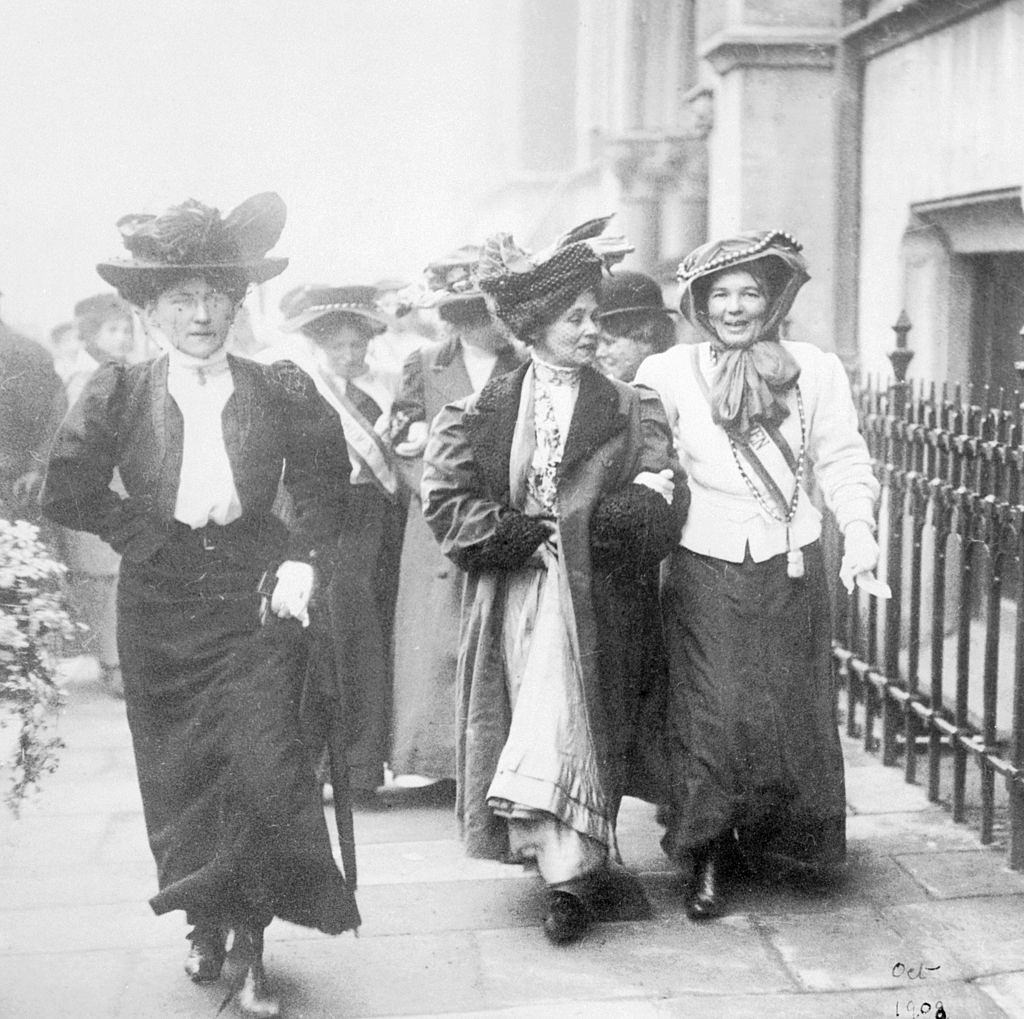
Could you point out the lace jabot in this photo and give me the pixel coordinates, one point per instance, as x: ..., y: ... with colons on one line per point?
x: 555, y: 375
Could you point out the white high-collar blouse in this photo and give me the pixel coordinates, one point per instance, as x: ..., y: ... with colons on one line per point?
x: 206, y: 488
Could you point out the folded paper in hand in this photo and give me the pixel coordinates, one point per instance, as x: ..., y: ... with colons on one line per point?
x: 872, y: 585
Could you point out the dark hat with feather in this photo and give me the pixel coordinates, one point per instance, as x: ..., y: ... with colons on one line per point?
x: 194, y: 236
x: 529, y: 291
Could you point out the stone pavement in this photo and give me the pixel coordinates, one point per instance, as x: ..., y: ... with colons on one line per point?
x: 926, y: 916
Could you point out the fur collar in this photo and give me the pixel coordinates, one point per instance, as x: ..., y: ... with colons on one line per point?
x: 597, y: 417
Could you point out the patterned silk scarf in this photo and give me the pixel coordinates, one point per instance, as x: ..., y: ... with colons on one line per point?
x: 554, y: 397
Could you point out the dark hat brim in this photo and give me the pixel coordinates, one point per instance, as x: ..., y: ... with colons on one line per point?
x: 304, y: 318
x: 123, y: 273
x: 447, y: 299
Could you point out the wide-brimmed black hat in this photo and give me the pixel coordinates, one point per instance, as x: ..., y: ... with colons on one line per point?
x: 623, y: 293
x: 309, y: 303
x: 194, y: 236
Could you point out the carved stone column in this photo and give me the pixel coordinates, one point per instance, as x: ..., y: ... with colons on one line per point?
x: 653, y: 167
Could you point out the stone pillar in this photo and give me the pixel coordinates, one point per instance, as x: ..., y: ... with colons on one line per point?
x: 772, y: 153
x: 650, y: 167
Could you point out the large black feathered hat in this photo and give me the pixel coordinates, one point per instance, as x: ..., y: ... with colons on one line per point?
x: 529, y: 291
x: 195, y: 236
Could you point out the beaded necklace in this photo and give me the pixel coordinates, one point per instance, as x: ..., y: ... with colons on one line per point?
x: 794, y: 556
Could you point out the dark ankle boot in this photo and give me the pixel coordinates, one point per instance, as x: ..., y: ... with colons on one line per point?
x: 206, y: 956
x: 704, y: 898
x: 248, y: 979
x: 568, y: 917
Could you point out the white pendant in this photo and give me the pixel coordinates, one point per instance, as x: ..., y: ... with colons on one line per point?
x: 795, y: 563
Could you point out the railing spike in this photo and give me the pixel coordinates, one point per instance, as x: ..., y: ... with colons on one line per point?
x: 902, y: 355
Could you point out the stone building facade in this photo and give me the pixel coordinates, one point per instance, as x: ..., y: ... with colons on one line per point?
x: 888, y: 137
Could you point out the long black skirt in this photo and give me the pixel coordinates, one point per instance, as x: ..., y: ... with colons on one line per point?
x: 752, y: 711
x: 231, y: 804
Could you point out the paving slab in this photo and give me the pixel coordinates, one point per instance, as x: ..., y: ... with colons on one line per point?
x: 435, y: 907
x: 54, y: 930
x: 918, y: 831
x: 38, y: 887
x: 390, y: 824
x: 668, y: 956
x: 412, y: 862
x: 959, y: 875
x: 68, y: 985
x: 969, y: 1002
x: 414, y: 974
x: 881, y: 790
x: 1006, y: 990
x: 852, y: 949
x: 985, y: 936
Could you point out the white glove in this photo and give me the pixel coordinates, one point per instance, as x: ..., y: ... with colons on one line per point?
x: 860, y: 553
x: 660, y: 483
x: 292, y: 591
x: 415, y: 440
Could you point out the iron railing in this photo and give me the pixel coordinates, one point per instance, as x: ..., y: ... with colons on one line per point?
x: 938, y: 669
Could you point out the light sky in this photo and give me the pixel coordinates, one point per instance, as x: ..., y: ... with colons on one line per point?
x: 367, y: 116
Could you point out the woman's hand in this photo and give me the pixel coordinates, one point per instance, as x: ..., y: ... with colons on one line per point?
x: 292, y: 591
x: 415, y: 440
x: 551, y: 542
x: 660, y: 483
x: 860, y: 553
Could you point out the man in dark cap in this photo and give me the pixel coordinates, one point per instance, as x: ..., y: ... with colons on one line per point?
x: 634, y: 323
x: 31, y: 405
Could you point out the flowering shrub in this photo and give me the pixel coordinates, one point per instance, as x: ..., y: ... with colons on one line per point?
x: 33, y: 624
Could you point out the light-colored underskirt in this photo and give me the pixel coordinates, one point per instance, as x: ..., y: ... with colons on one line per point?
x: 547, y: 782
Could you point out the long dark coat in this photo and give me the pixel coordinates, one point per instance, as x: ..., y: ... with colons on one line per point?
x: 612, y: 535
x: 429, y: 585
x: 232, y: 809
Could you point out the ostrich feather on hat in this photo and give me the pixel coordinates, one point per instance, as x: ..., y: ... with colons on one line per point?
x: 193, y: 235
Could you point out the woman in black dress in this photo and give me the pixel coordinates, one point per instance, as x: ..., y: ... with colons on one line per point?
x: 211, y: 664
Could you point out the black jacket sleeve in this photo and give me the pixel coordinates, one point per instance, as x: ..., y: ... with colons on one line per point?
x: 76, y: 492
x: 317, y: 467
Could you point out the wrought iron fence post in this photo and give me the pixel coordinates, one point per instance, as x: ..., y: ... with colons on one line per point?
x: 1015, y: 788
x: 896, y: 474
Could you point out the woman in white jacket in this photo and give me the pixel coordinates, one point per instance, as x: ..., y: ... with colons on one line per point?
x: 756, y: 754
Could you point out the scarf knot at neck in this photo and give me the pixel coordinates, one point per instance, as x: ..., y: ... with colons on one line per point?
x: 750, y: 383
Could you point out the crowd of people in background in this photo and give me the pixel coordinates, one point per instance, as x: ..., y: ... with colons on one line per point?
x: 493, y: 538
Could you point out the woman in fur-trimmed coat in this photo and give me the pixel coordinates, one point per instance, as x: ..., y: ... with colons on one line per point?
x: 556, y: 490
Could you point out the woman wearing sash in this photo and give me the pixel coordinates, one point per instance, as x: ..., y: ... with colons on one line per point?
x: 555, y: 489
x: 351, y: 662
x: 758, y: 763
